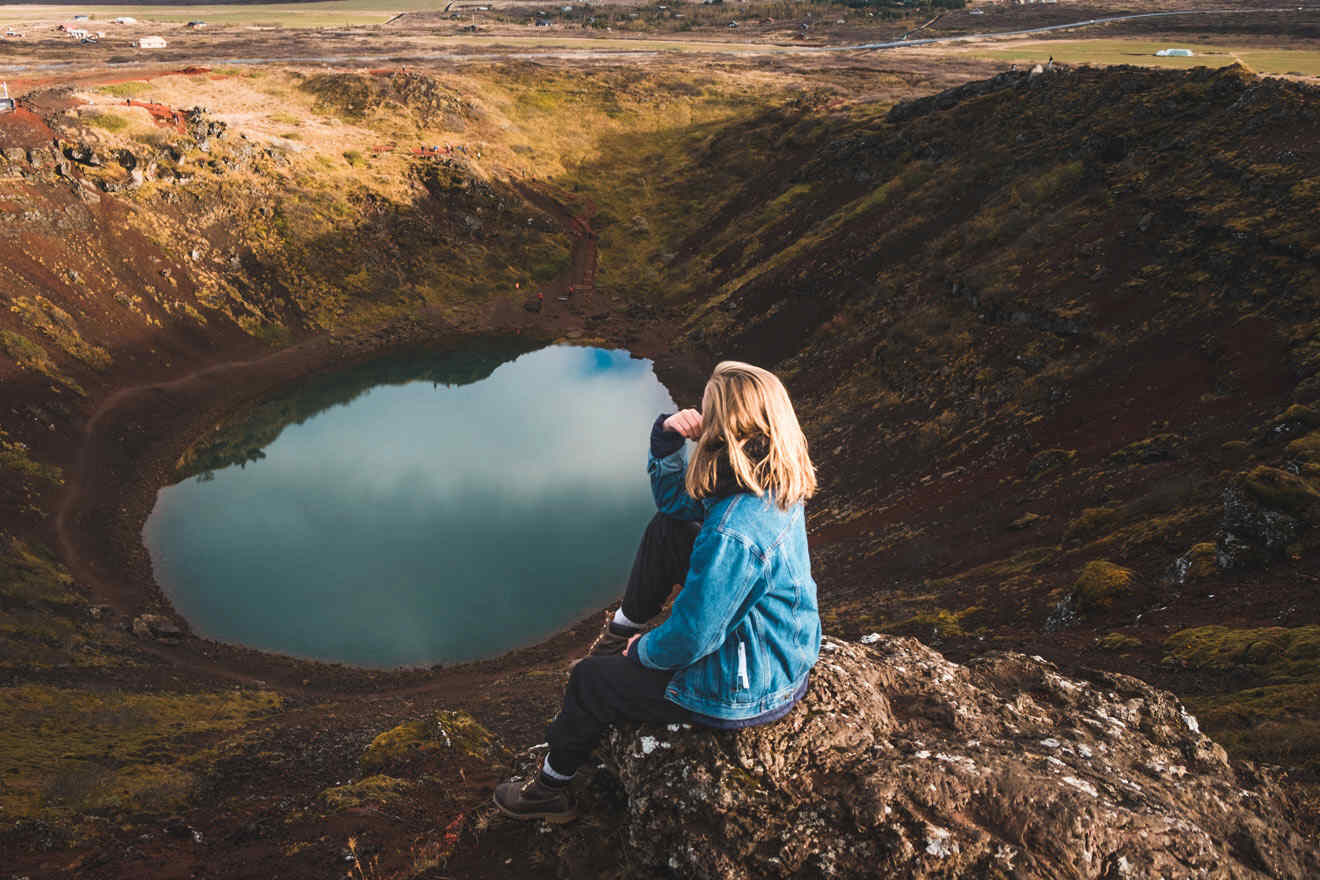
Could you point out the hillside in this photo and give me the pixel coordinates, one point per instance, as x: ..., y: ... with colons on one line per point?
x: 1055, y: 341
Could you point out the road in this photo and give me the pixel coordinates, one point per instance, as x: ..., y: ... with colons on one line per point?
x: 926, y: 41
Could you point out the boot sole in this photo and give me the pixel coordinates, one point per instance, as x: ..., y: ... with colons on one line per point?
x: 552, y: 818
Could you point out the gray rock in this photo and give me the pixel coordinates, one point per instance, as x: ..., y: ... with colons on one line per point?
x: 900, y: 763
x: 158, y: 627
x: 1252, y: 533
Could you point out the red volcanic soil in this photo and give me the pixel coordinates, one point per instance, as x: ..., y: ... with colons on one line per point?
x: 23, y: 128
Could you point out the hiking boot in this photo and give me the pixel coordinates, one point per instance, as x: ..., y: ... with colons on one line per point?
x: 535, y: 800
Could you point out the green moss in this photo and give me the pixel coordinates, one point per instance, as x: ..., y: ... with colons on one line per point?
x: 1116, y: 641
x: 1280, y: 490
x: 25, y: 352
x: 32, y: 356
x: 1199, y: 562
x: 1298, y: 415
x: 1275, y: 723
x: 1306, y: 448
x: 1100, y: 582
x: 69, y: 750
x: 445, y: 732
x: 1161, y: 447
x: 1048, y: 461
x: 944, y: 621
x: 378, y: 789
x: 1276, y: 652
x: 58, y: 325
x: 28, y: 575
x: 1092, y: 520
x: 14, y: 457
x: 1026, y: 521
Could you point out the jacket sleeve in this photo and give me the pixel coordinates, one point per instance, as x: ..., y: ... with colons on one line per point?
x: 721, y: 575
x: 668, y: 469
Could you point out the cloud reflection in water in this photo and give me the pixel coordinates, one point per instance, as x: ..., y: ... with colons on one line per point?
x: 422, y: 524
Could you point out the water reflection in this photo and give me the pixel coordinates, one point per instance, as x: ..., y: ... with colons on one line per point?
x: 425, y: 521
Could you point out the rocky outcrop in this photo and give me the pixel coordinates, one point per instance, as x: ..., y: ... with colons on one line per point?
x: 158, y: 627
x: 1265, y: 512
x: 900, y: 763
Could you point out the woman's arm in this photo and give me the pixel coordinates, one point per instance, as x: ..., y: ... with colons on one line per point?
x: 721, y: 576
x: 668, y: 467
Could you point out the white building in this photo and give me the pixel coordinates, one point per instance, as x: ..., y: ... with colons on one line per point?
x: 123, y: 19
x: 149, y: 43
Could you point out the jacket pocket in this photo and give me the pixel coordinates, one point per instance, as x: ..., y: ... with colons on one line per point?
x: 743, y: 681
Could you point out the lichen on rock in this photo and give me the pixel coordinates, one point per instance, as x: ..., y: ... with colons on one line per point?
x: 901, y: 763
x: 1265, y: 511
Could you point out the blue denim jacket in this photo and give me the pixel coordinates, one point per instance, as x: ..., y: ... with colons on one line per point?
x: 744, y: 630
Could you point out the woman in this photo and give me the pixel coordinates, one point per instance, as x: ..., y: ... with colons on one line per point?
x: 743, y: 632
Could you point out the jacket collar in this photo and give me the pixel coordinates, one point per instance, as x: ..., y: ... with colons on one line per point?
x: 726, y: 483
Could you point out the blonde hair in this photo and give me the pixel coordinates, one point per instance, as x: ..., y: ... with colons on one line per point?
x: 742, y: 402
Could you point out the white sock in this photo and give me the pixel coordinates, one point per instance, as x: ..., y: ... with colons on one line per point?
x: 552, y: 772
x: 621, y: 619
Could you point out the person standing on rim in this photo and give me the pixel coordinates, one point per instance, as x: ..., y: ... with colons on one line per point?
x: 744, y: 631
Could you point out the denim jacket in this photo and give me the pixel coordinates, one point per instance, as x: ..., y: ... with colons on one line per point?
x: 744, y: 631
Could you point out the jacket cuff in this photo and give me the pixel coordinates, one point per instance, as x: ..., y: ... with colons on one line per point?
x: 663, y: 441
x: 639, y: 653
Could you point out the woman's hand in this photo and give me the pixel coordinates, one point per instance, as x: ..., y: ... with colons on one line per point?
x: 627, y: 649
x: 686, y: 422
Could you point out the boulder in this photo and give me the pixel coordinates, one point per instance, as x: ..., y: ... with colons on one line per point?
x: 901, y: 763
x: 156, y: 626
x: 1265, y: 511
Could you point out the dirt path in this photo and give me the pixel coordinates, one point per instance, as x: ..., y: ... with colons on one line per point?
x: 574, y: 214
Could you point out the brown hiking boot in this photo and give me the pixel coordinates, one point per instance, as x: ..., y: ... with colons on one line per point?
x: 534, y: 800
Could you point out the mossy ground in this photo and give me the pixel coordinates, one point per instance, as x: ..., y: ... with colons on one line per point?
x: 1278, y: 718
x: 73, y: 751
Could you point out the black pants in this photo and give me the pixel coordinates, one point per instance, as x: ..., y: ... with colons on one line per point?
x: 605, y: 690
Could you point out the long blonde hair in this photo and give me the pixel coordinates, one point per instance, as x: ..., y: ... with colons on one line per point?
x: 741, y: 403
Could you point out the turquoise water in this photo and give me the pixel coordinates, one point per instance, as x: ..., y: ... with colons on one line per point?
x: 430, y: 509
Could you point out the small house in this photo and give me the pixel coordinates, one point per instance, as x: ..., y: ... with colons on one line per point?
x: 149, y: 43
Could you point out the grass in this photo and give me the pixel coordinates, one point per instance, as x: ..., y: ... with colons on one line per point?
x: 1277, y: 719
x: 67, y: 751
x: 133, y: 89
x: 57, y: 325
x: 111, y: 122
x: 330, y: 14
x: 1100, y: 582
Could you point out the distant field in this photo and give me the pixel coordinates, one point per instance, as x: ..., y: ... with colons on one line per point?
x: 329, y: 14
x: 1270, y: 61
